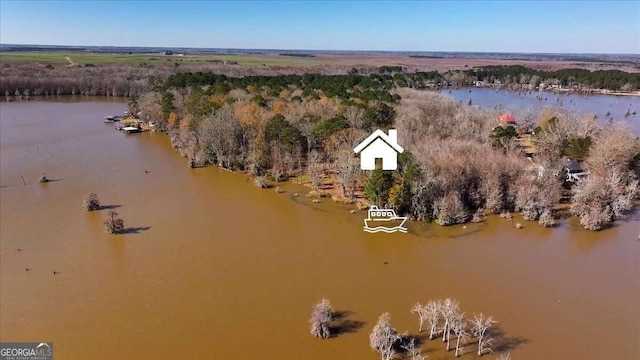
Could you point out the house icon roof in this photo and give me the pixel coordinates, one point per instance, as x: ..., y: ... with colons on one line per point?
x: 391, y: 140
x: 379, y: 146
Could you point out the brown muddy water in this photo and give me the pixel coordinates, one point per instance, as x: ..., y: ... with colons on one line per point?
x: 214, y: 268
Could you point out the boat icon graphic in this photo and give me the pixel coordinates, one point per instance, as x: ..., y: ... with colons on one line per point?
x: 384, y: 220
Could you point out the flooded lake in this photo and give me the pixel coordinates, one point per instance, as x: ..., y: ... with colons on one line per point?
x: 615, y: 106
x: 215, y: 268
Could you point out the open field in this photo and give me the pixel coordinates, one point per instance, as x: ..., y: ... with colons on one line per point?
x: 81, y: 58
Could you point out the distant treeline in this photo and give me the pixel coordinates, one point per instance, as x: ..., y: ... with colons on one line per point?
x: 345, y: 87
x: 427, y: 56
x: 599, y: 79
x: 297, y: 55
x: 128, y: 80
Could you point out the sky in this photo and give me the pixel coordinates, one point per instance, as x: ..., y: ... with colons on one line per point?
x: 473, y: 26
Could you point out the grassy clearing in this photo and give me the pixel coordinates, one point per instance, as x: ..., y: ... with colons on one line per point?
x: 83, y: 58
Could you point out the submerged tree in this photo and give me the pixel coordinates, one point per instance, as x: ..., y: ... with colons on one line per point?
x: 479, y: 325
x: 421, y: 310
x: 433, y: 316
x: 114, y: 223
x: 321, y: 318
x: 459, y: 327
x: 91, y: 202
x: 449, y: 310
x: 383, y: 337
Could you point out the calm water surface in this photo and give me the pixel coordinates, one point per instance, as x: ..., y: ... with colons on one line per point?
x: 215, y: 268
x: 616, y: 106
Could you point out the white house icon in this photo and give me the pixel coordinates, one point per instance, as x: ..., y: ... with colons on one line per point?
x: 379, y: 146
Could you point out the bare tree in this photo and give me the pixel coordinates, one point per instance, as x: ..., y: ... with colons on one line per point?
x: 345, y: 163
x: 383, y: 337
x: 433, y: 316
x: 414, y: 351
x: 613, y: 150
x: 91, y: 202
x: 479, y: 325
x: 321, y: 318
x: 449, y: 309
x: 505, y: 356
x: 314, y: 169
x: 421, y: 310
x: 459, y: 327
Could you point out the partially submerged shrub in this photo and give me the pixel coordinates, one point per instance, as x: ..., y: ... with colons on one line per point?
x: 536, y: 196
x: 91, y: 202
x: 598, y: 201
x: 260, y: 182
x: 546, y: 219
x: 114, y: 223
x: 450, y: 210
x: 477, y: 216
x: 321, y: 318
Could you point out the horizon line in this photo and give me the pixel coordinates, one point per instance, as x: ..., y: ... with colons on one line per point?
x: 321, y: 50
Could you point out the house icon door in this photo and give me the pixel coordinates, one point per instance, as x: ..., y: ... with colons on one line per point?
x: 379, y: 146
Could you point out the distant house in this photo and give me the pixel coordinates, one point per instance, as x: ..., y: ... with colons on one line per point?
x: 379, y: 146
x: 574, y: 170
x: 507, y: 119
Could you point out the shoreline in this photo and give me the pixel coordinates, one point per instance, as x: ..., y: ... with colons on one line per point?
x: 582, y: 92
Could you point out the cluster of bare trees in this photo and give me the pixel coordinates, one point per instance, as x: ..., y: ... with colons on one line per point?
x: 127, y: 80
x: 25, y: 81
x: 462, y: 172
x: 614, y: 183
x: 444, y: 317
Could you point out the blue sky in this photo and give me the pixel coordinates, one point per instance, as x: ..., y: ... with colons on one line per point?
x: 504, y: 26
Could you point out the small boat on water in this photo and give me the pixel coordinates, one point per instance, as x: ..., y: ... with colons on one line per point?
x: 131, y: 129
x: 112, y: 118
x: 384, y: 220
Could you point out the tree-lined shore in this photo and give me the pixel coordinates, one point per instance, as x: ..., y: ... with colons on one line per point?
x: 128, y: 80
x: 459, y: 166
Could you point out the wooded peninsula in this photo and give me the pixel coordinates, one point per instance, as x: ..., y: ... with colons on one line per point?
x: 460, y: 165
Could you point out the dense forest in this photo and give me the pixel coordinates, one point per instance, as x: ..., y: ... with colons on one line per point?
x: 459, y: 166
x: 129, y: 80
